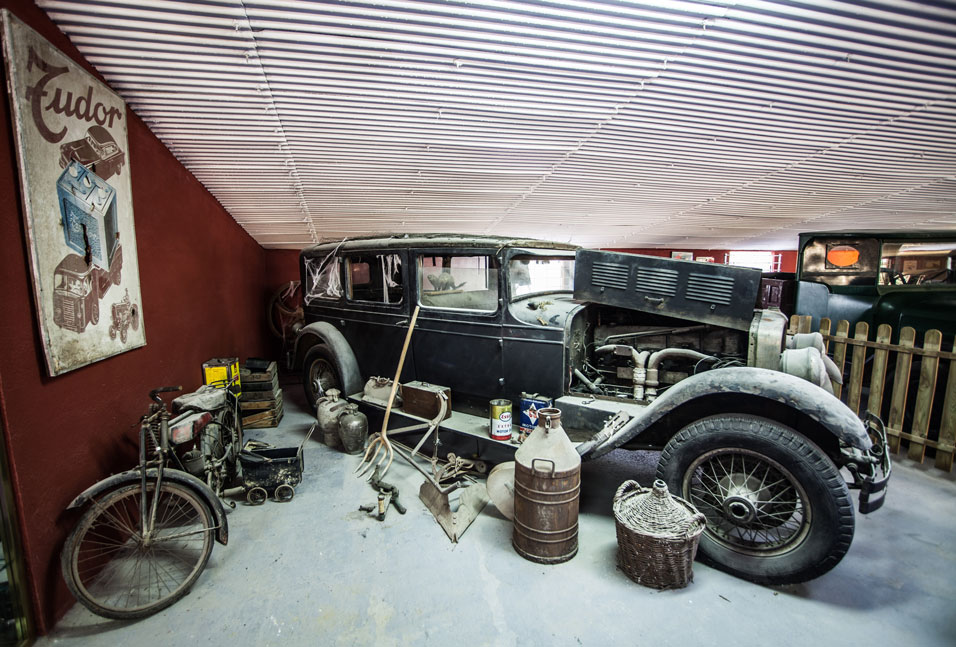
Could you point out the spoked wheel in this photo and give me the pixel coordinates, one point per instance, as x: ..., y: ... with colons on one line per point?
x: 117, y: 573
x: 756, y: 505
x: 229, y: 434
x: 319, y: 373
x: 285, y: 315
x: 777, y: 509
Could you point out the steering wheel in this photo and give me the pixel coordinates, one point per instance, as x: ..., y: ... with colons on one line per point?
x: 893, y: 277
x: 930, y: 278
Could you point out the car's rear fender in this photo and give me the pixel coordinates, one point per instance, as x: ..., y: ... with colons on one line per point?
x: 322, y: 332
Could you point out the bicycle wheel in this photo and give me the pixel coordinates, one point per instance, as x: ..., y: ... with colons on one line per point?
x: 115, y: 573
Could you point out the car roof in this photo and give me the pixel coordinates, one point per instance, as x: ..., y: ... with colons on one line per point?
x: 912, y: 234
x: 462, y: 241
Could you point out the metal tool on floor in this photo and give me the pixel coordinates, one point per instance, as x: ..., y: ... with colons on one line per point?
x: 387, y: 495
x: 454, y: 505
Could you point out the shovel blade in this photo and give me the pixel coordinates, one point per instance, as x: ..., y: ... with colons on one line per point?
x: 472, y: 499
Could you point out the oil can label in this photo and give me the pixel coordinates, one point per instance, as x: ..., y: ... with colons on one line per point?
x: 500, y: 419
x: 530, y: 405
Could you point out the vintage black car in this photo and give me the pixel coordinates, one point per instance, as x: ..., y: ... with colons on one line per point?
x: 97, y: 151
x: 639, y: 352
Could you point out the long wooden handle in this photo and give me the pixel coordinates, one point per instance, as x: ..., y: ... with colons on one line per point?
x: 398, y: 373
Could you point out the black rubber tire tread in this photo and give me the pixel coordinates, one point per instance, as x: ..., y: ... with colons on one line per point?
x: 316, y: 353
x: 832, y: 521
x: 72, y: 544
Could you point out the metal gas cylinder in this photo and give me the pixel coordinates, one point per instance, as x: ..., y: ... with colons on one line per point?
x: 327, y: 411
x: 353, y: 429
x: 547, y: 491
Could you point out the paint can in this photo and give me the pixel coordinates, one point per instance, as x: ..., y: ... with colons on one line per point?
x: 500, y: 419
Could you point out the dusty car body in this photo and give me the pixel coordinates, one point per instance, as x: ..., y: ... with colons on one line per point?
x: 638, y: 352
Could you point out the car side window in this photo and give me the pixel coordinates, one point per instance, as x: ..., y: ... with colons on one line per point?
x: 458, y: 282
x: 375, y: 277
x: 323, y: 277
x: 918, y: 262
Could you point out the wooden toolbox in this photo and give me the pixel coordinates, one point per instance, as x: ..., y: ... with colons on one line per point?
x: 421, y: 399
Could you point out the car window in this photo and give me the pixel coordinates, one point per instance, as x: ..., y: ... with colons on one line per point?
x: 841, y: 261
x: 458, y: 282
x: 918, y: 263
x: 375, y: 277
x: 323, y: 278
x: 534, y: 274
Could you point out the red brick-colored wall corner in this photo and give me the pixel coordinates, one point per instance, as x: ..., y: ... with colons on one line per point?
x: 204, y: 285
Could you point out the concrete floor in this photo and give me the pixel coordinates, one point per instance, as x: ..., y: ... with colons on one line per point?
x: 316, y: 571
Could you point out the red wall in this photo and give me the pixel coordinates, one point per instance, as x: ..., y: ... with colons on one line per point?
x: 204, y: 288
x: 788, y: 258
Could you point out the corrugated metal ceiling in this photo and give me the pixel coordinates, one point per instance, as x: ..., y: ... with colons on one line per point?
x: 605, y: 123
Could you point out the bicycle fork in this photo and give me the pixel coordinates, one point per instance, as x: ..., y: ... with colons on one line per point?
x: 148, y: 509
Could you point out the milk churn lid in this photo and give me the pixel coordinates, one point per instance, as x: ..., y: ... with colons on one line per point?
x: 548, y: 448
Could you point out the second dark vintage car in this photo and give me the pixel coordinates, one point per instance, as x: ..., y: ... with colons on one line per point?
x: 638, y: 352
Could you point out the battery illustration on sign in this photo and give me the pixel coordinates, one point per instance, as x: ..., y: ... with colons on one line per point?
x: 88, y: 214
x: 88, y: 210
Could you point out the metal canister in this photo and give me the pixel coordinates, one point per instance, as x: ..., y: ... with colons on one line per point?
x: 353, y: 429
x: 547, y: 493
x: 500, y: 419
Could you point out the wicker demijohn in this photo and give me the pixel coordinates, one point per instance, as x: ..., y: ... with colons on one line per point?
x: 657, y: 535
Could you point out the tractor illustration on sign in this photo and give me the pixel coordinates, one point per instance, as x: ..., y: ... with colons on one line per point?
x: 125, y: 314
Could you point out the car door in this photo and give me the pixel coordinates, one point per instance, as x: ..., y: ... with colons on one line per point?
x: 374, y: 317
x: 457, y: 341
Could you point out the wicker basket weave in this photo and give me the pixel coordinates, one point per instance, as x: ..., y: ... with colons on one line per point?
x: 657, y: 535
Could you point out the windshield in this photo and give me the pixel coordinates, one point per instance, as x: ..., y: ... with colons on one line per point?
x: 536, y: 274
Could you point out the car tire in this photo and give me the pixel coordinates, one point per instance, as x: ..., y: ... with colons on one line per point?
x: 320, y: 372
x: 778, y: 511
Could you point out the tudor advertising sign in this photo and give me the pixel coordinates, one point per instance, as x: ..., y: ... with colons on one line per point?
x: 70, y: 132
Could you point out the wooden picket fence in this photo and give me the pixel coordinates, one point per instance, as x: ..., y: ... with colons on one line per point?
x: 880, y: 354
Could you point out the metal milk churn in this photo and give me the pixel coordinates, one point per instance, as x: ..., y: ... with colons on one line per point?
x: 547, y: 490
x: 353, y: 429
x: 327, y: 411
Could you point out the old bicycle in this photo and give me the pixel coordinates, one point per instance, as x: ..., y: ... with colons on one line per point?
x: 147, y: 533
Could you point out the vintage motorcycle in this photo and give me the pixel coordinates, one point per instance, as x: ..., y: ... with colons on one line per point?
x: 147, y: 533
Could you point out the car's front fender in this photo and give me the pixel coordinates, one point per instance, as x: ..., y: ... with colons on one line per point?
x: 795, y: 393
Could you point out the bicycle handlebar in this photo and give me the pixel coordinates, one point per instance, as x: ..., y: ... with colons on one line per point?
x: 154, y: 394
